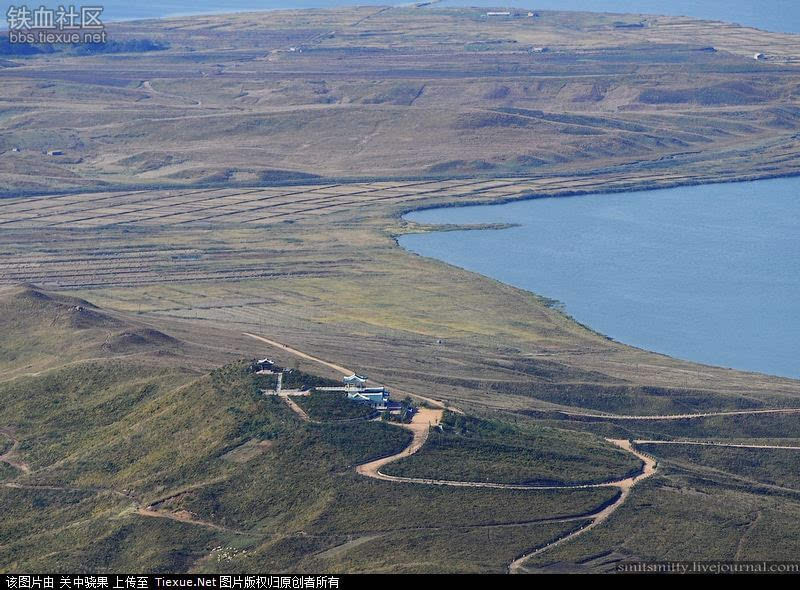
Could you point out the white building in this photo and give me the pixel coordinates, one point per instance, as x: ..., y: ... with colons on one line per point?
x: 355, y: 381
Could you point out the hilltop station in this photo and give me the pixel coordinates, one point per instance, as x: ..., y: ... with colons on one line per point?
x: 355, y: 386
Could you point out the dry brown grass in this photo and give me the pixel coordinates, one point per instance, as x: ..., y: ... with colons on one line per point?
x: 397, y: 93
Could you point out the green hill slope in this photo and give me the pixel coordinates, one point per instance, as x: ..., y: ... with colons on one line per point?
x: 124, y: 458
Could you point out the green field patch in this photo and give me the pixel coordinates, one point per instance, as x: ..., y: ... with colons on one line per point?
x: 780, y: 467
x: 471, y: 449
x: 334, y: 405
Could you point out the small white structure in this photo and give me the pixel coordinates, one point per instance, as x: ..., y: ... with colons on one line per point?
x: 506, y: 13
x: 355, y: 381
x: 265, y: 367
x: 55, y: 152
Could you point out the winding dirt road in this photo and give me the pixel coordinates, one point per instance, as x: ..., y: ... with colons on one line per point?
x: 420, y: 427
x: 625, y: 486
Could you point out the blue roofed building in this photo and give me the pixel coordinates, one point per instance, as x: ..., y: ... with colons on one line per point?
x: 377, y: 397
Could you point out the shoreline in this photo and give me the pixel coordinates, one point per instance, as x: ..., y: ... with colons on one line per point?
x: 555, y: 304
x: 639, y: 185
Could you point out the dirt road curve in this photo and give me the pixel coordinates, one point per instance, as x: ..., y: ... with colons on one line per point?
x: 10, y: 457
x: 625, y: 486
x: 420, y: 426
x: 680, y: 416
x: 420, y: 430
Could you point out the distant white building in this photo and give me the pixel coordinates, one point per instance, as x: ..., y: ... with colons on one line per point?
x: 355, y: 381
x: 265, y: 366
x: 496, y: 13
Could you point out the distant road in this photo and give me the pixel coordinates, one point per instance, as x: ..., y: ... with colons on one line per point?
x: 679, y: 416
x: 301, y: 354
x: 713, y: 444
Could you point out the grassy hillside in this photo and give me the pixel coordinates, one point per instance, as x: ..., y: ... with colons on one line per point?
x: 121, y: 455
x: 779, y: 467
x: 470, y: 449
x: 679, y: 516
x: 334, y: 406
x: 137, y: 463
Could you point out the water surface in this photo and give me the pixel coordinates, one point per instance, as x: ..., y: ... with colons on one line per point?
x: 706, y: 273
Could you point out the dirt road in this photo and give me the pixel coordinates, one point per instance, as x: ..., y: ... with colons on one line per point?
x: 339, y: 368
x: 680, y: 416
x: 714, y: 444
x: 10, y: 457
x: 301, y: 354
x: 625, y: 486
x: 420, y: 427
x: 296, y: 408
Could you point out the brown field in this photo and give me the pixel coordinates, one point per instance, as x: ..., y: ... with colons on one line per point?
x: 403, y: 92
x: 316, y: 267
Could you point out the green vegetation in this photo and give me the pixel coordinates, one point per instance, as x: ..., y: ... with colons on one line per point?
x: 631, y: 399
x: 5, y: 444
x: 303, y: 482
x: 232, y: 480
x: 672, y: 517
x: 295, y: 379
x: 334, y: 405
x: 111, y: 46
x: 405, y: 413
x: 472, y: 449
x: 780, y: 467
x: 87, y: 532
x: 291, y: 379
x: 7, y: 472
x: 421, y: 552
x: 747, y: 427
